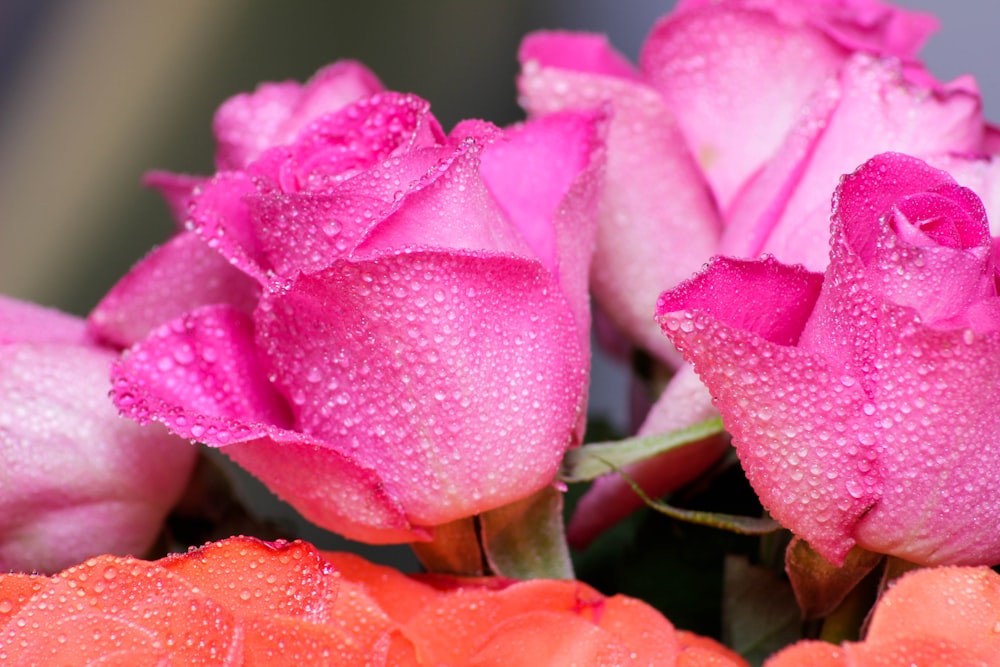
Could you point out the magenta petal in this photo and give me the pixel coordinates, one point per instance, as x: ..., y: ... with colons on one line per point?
x: 77, y: 477
x: 774, y: 301
x: 796, y: 420
x: 220, y: 215
x: 249, y: 123
x: 23, y: 322
x: 201, y: 377
x: 723, y: 70
x: 181, y: 275
x: 653, y: 194
x: 457, y: 376
x: 451, y: 209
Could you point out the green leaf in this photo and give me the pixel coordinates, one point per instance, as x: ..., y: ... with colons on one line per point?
x: 594, y: 460
x: 527, y: 539
x: 744, y: 525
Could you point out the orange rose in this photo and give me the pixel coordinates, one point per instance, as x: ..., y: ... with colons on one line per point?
x: 245, y: 602
x: 940, y: 617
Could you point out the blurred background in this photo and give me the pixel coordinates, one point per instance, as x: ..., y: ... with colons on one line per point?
x: 93, y: 93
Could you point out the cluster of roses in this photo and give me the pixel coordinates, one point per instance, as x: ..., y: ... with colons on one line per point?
x: 389, y: 326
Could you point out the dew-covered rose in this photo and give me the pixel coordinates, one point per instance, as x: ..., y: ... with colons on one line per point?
x: 241, y: 602
x: 943, y: 616
x: 385, y: 323
x: 728, y: 138
x: 77, y: 479
x: 863, y: 402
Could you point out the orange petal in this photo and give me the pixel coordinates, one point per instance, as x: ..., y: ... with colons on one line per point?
x: 120, y: 606
x: 961, y: 604
x: 256, y: 578
x: 400, y: 596
x: 698, y: 651
x: 809, y: 654
x: 650, y: 636
x: 540, y: 638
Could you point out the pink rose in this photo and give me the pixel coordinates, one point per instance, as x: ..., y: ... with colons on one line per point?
x: 386, y: 324
x: 728, y: 138
x: 77, y: 479
x: 863, y: 402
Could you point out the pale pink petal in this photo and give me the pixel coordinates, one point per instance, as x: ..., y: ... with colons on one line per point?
x: 181, y: 275
x: 979, y: 173
x: 879, y: 111
x: 795, y: 417
x: 77, y: 479
x: 455, y: 375
x: 685, y: 401
x: 201, y: 377
x: 23, y: 322
x: 736, y: 80
x: 545, y: 175
x: 653, y: 195
x: 249, y: 123
x: 860, y: 25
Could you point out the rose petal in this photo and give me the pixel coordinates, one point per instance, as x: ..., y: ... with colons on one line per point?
x: 405, y: 374
x: 545, y: 176
x: 201, y: 377
x: 722, y: 70
x: 181, y: 275
x: 249, y: 123
x: 77, y: 479
x: 906, y: 118
x: 796, y: 419
x: 653, y: 192
x: 23, y: 322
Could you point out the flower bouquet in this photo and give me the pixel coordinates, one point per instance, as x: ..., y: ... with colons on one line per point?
x: 787, y: 228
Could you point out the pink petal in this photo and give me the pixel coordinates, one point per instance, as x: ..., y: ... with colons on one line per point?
x: 23, y: 322
x: 201, y: 377
x: 78, y: 479
x: 929, y: 389
x: 653, y: 195
x: 577, y: 52
x: 545, y: 175
x: 219, y: 215
x: 723, y: 70
x: 458, y: 376
x: 181, y: 275
x: 796, y: 419
x: 249, y: 123
x: 451, y: 208
x: 879, y: 111
x: 936, y: 400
